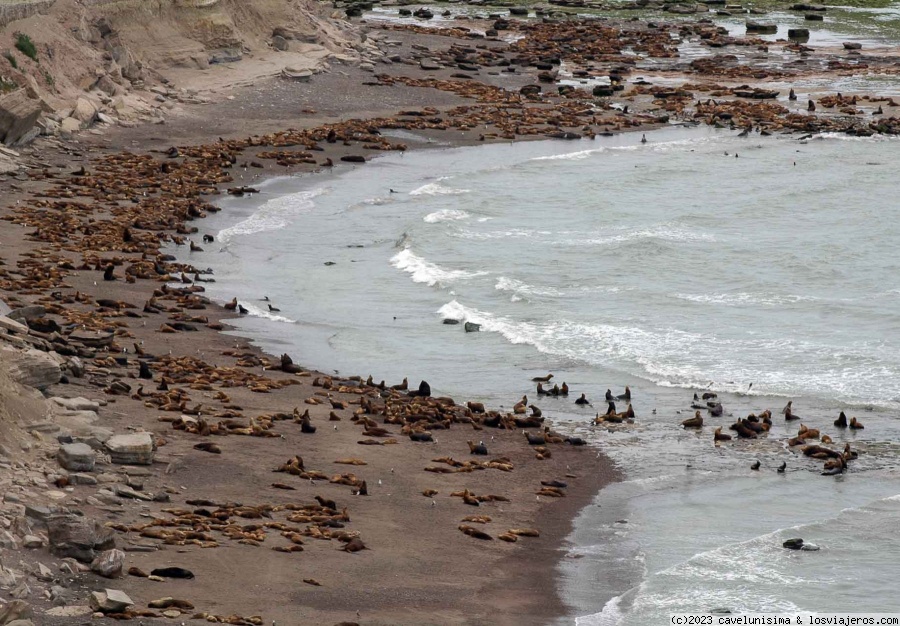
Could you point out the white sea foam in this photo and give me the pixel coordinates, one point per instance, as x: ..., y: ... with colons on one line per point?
x: 436, y: 189
x: 424, y: 271
x: 272, y: 215
x: 521, y: 288
x: 446, y: 215
x: 744, y: 299
x: 255, y: 311
x: 661, y: 232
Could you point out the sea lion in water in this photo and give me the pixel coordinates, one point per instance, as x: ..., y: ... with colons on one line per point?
x: 582, y: 401
x: 782, y: 467
x: 841, y: 421
x: 755, y: 466
x: 542, y: 379
x: 575, y: 441
x: 693, y: 422
x: 855, y: 424
x: 564, y: 390
x: 535, y: 411
x: 609, y: 397
x: 541, y: 391
x: 626, y: 395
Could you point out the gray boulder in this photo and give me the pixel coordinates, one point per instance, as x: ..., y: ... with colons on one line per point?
x: 134, y: 449
x: 108, y: 563
x: 34, y: 368
x: 76, y: 457
x: 74, y: 536
x: 18, y: 115
x: 110, y: 601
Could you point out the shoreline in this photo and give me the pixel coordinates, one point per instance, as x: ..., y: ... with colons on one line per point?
x: 512, y: 575
x: 95, y: 205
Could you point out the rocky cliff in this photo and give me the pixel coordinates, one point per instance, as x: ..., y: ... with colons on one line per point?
x: 78, y: 61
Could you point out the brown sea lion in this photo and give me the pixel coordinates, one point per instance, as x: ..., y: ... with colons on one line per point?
x: 855, y: 424
x: 542, y: 379
x: 693, y: 422
x: 720, y: 436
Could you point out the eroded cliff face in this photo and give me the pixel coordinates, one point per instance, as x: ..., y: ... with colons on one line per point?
x: 106, y: 51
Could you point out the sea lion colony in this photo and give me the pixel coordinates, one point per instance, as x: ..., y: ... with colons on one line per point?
x: 108, y: 221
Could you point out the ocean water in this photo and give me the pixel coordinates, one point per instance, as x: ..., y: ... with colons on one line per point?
x: 698, y: 260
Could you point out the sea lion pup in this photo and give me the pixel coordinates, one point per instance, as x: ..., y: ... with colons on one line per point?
x: 755, y: 466
x: 782, y: 467
x: 582, y: 401
x: 542, y: 379
x: 475, y: 407
x: 242, y: 310
x: 855, y: 424
x: 841, y: 421
x: 424, y: 391
x: 626, y: 395
x: 520, y: 406
x: 693, y: 422
x: 362, y: 491
x: 575, y: 441
x: 477, y: 448
x: 811, y: 107
x: 355, y: 545
x: 195, y: 247
x: 535, y: 440
x: 541, y: 391
x: 564, y: 390
x: 535, y: 411
x: 108, y: 273
x: 208, y: 239
x: 145, y: 372
x: 231, y: 306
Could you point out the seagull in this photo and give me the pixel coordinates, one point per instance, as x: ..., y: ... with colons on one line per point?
x: 433, y: 503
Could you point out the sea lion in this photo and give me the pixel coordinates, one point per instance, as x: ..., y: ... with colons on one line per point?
x: 242, y: 310
x: 424, y: 391
x: 328, y: 504
x: 306, y: 425
x: 421, y: 436
x: 195, y: 247
x: 782, y: 467
x: 575, y: 441
x: 108, y: 273
x: 474, y: 532
x: 542, y: 379
x: 720, y: 436
x: 541, y: 391
x: 811, y: 107
x: 475, y: 407
x: 273, y: 309
x: 145, y: 372
x: 716, y: 410
x: 355, y: 545
x: 693, y: 422
x: 755, y: 466
x: 787, y: 407
x: 564, y: 390
x: 208, y: 239
x: 792, y: 95
x: 535, y: 440
x: 582, y: 401
x: 841, y: 421
x: 172, y: 572
x: 626, y: 395
x: 535, y: 411
x: 520, y: 406
x: 231, y: 306
x: 609, y: 397
x: 855, y: 424
x: 478, y: 448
